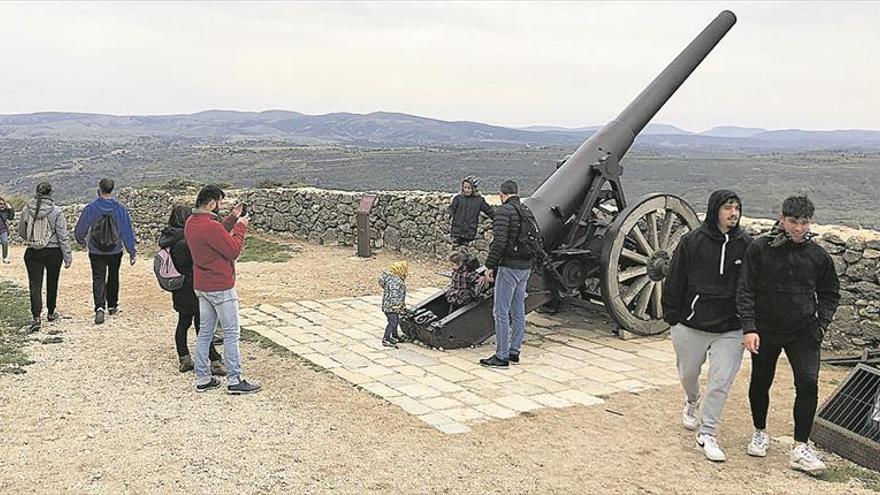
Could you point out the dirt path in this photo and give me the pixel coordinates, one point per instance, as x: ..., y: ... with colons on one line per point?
x: 107, y: 412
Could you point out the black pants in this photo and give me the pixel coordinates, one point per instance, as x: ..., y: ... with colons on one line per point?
x: 391, y: 328
x: 803, y: 352
x: 37, y: 261
x: 183, y: 323
x: 105, y: 279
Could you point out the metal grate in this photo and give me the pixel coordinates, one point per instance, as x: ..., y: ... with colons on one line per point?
x: 849, y: 421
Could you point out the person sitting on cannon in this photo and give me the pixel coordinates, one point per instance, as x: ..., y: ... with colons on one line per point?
x: 466, y: 282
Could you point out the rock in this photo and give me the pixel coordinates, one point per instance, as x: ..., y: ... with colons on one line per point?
x: 873, y: 244
x: 833, y: 238
x: 839, y: 265
x: 852, y: 256
x: 855, y: 243
x: 862, y: 270
x: 871, y: 254
x: 52, y: 340
x: 831, y: 248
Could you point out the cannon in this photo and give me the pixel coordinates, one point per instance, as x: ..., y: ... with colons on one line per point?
x: 598, y: 247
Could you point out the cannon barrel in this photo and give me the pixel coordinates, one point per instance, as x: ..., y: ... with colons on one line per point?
x: 562, y: 194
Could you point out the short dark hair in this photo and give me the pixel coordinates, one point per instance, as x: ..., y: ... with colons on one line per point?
x: 208, y: 193
x: 44, y: 189
x: 106, y: 185
x: 509, y: 187
x: 798, y: 206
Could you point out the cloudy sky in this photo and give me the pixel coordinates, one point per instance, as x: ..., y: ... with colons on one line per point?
x: 809, y: 65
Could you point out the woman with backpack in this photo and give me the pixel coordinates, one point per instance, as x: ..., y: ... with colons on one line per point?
x: 184, y: 299
x: 7, y: 212
x: 44, y: 230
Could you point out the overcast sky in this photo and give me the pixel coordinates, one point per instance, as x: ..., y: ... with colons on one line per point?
x: 808, y: 65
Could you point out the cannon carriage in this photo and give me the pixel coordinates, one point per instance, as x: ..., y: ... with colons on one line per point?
x: 597, y: 245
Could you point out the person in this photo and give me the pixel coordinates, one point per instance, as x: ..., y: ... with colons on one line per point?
x: 465, y: 209
x: 509, y: 268
x: 184, y: 300
x: 6, y: 213
x: 44, y: 230
x: 105, y: 226
x: 393, y: 283
x: 787, y: 295
x: 699, y: 301
x: 214, y: 247
x: 465, y: 279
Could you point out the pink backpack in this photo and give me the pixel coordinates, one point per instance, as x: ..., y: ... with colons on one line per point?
x: 167, y: 275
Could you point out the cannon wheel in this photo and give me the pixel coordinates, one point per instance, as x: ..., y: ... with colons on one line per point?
x: 635, y: 257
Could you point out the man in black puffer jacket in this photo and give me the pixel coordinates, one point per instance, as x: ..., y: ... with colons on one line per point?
x: 699, y: 300
x: 510, y: 269
x: 465, y: 211
x: 787, y: 296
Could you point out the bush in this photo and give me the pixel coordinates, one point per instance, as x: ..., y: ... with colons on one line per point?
x: 268, y: 184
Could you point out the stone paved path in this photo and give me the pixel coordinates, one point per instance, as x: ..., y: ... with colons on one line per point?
x: 561, y: 366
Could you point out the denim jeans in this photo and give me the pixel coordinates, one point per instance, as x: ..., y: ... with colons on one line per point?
x: 510, y: 309
x: 105, y: 279
x: 219, y: 305
x: 4, y: 241
x: 391, y: 327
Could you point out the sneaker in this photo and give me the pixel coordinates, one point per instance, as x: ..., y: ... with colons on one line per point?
x: 760, y: 442
x: 6, y: 260
x: 99, y: 316
x: 802, y: 458
x: 53, y: 316
x: 495, y: 362
x: 112, y: 311
x: 35, y: 325
x: 211, y: 385
x: 389, y: 343
x: 217, y: 368
x: 709, y: 445
x: 514, y: 357
x: 186, y: 364
x: 689, y: 415
x: 243, y: 388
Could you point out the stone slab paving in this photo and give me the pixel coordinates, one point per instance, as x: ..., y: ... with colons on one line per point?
x: 562, y: 365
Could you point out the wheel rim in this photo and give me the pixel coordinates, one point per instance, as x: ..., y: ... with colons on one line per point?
x: 636, y: 254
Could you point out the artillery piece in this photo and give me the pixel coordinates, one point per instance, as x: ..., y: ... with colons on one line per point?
x: 597, y: 246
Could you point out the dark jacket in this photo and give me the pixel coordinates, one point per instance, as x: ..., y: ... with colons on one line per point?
x: 700, y: 289
x: 505, y: 228
x: 787, y: 289
x: 5, y: 214
x: 465, y: 213
x: 184, y: 299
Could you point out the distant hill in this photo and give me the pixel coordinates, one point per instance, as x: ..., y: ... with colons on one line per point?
x: 388, y: 129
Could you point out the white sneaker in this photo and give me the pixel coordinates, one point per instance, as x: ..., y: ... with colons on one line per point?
x: 689, y: 415
x: 760, y: 442
x: 802, y: 458
x: 710, y: 447
x: 6, y: 260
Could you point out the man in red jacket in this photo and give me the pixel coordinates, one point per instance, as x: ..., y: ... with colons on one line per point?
x: 215, y: 246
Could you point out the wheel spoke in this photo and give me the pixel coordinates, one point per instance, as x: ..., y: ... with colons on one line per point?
x: 631, y: 273
x: 633, y: 290
x: 652, y: 231
x: 640, y: 239
x: 656, y: 301
x: 666, y: 229
x: 675, y: 237
x: 644, y: 299
x: 634, y: 256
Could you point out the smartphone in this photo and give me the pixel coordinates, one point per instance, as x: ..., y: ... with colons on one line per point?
x: 244, y: 210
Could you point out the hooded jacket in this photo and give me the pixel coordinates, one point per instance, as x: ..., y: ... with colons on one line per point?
x: 90, y: 216
x: 172, y: 237
x: 59, y: 237
x: 700, y: 288
x: 505, y: 228
x: 465, y: 212
x: 5, y: 214
x: 787, y: 288
x: 394, y: 294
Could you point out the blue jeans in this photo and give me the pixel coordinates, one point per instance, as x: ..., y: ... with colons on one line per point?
x: 4, y: 241
x: 391, y: 328
x: 219, y: 305
x: 510, y: 309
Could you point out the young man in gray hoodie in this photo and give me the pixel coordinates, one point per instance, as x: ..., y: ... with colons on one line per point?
x: 699, y: 301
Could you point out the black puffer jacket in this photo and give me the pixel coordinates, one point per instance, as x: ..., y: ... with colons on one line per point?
x: 184, y: 299
x: 787, y: 289
x: 465, y: 213
x: 700, y: 290
x: 506, y: 228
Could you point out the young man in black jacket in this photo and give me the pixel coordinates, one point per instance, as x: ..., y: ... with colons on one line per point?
x: 465, y: 211
x: 510, y: 269
x: 699, y: 300
x: 787, y: 296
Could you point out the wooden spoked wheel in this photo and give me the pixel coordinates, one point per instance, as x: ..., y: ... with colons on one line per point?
x: 635, y: 258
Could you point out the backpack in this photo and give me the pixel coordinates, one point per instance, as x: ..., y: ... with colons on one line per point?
x: 37, y: 229
x: 104, y: 234
x: 166, y: 273
x: 529, y: 242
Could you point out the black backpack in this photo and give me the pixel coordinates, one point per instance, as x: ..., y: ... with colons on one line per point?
x: 529, y: 242
x: 104, y: 234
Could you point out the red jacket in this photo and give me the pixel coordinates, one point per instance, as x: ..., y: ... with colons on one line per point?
x: 214, y: 250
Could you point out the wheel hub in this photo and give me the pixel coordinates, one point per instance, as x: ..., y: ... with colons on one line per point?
x: 658, y: 265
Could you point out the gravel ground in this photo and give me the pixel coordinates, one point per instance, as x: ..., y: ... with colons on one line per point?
x: 106, y: 411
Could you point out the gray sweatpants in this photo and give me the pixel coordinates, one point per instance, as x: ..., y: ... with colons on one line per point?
x: 725, y: 352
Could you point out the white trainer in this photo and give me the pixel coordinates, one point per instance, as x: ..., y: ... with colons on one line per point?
x: 710, y: 447
x: 689, y: 415
x: 759, y: 444
x: 802, y: 458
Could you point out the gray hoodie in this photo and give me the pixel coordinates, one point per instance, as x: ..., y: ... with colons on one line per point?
x: 59, y: 236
